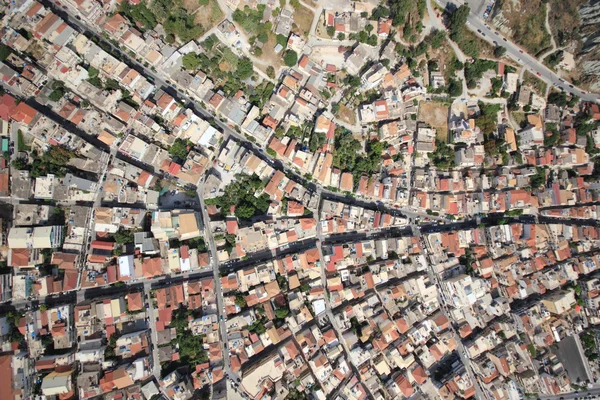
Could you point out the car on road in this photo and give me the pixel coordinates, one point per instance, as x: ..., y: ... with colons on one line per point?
x: 520, y: 51
x: 221, y: 318
x: 504, y: 39
x: 147, y: 305
x: 538, y: 74
x: 571, y: 86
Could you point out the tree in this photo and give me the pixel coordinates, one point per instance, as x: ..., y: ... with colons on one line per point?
x: 123, y: 236
x: 436, y: 39
x: 341, y: 36
x: 245, y: 211
x: 282, y: 40
x: 558, y: 98
x: 231, y: 239
x: 191, y: 61
x: 379, y: 12
x: 281, y: 313
x: 499, y: 51
x: 291, y: 58
x: 330, y: 31
x: 270, y: 72
x: 305, y: 287
x: 458, y: 19
x: 111, y: 84
x: 454, y: 88
x: 263, y: 37
x: 179, y: 149
x: 58, y: 92
x: 5, y: 52
x: 272, y: 152
x: 245, y: 68
x: 20, y: 163
x: 240, y: 301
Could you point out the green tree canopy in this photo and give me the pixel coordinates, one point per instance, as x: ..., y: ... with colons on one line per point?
x: 191, y: 61
x: 291, y: 58
x: 245, y: 68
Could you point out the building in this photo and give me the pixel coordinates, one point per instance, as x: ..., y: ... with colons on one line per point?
x: 57, y: 383
x: 177, y: 224
x: 560, y: 301
x: 41, y: 237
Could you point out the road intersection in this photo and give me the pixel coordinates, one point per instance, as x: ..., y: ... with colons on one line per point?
x: 485, y: 32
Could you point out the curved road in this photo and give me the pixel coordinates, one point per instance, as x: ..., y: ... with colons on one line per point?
x: 513, y: 51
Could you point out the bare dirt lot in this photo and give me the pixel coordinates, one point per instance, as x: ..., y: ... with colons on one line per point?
x: 435, y: 115
x: 269, y: 56
x: 208, y: 15
x: 303, y: 18
x: 346, y: 115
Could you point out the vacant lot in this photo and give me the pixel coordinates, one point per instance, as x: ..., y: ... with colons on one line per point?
x: 208, y: 15
x: 268, y: 53
x: 526, y: 21
x: 538, y: 85
x: 486, y: 50
x: 191, y: 5
x: 303, y: 18
x: 564, y: 20
x: 435, y: 115
x: 520, y: 118
x: 346, y: 115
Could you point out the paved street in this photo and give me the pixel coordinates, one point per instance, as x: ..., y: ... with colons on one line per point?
x: 152, y: 317
x: 216, y: 276
x: 437, y: 224
x: 483, y: 30
x: 329, y: 313
x: 580, y: 394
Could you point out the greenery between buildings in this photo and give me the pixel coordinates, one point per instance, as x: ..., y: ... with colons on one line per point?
x: 191, y: 350
x: 180, y: 149
x: 175, y: 19
x: 241, y: 194
x: 458, y: 33
x: 443, y: 156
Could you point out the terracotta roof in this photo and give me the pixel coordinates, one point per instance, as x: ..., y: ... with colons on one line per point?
x: 7, y: 105
x: 134, y: 301
x: 6, y: 377
x: 152, y: 267
x: 64, y: 260
x: 19, y: 257
x: 23, y: 113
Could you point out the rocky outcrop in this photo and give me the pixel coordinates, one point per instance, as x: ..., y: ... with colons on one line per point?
x: 589, y: 31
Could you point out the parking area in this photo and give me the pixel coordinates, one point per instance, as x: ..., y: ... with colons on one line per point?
x: 481, y: 8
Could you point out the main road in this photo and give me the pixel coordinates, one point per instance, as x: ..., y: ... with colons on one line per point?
x: 518, y: 54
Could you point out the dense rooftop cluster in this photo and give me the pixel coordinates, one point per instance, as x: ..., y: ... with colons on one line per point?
x: 291, y: 200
